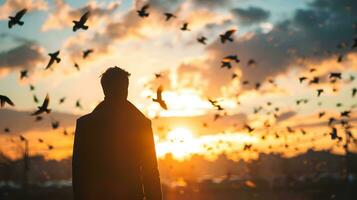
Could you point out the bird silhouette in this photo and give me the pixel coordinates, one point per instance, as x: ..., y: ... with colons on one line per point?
x: 247, y: 147
x: 354, y: 92
x: 334, y: 135
x: 251, y: 62
x: 345, y: 113
x: 23, y: 74
x: 319, y: 92
x: 159, y: 98
x: 32, y: 87
x: 76, y: 66
x: 314, y: 80
x: 5, y: 99
x: 87, y: 52
x: 224, y: 64
x: 38, y: 118
x: 7, y: 130
x: 301, y: 79
x: 340, y: 58
x: 17, y: 18
x: 55, y: 124
x: 312, y: 70
x: 44, y: 107
x: 245, y: 82
x: 335, y: 75
x: 321, y: 114
x: 143, y: 11
x: 158, y: 75
x: 62, y: 100
x: 202, y: 40
x: 227, y: 36
x: 249, y: 128
x: 53, y: 57
x: 169, y: 16
x: 35, y: 99
x: 81, y: 23
x: 78, y: 104
x: 22, y: 138
x: 232, y: 58
x: 50, y: 147
x: 184, y: 27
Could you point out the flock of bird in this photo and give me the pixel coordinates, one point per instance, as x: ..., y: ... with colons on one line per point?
x: 227, y: 36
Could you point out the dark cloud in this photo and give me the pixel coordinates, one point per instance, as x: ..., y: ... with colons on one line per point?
x: 27, y: 55
x: 285, y: 116
x: 163, y: 5
x: 21, y: 121
x: 251, y: 15
x: 212, y: 3
x: 312, y: 34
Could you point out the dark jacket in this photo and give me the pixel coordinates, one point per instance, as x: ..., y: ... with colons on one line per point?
x: 114, y: 155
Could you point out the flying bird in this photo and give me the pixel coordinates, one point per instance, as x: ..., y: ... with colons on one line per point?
x: 87, y: 52
x: 62, y: 100
x: 44, y: 107
x: 7, y: 130
x: 53, y: 57
x: 169, y: 16
x: 319, y: 92
x: 35, y: 99
x: 335, y: 75
x: 78, y: 104
x: 202, y: 40
x: 231, y: 58
x: 250, y: 129
x: 38, y: 118
x: 227, y: 36
x: 22, y: 138
x: 314, y: 80
x: 354, y: 92
x: 32, y: 87
x: 301, y: 79
x: 5, y: 99
x: 143, y: 11
x: 184, y: 27
x: 340, y: 57
x: 226, y: 64
x: 76, y: 66
x: 321, y: 114
x: 55, y: 124
x: 251, y: 62
x: 81, y: 23
x: 159, y: 98
x: 17, y: 18
x: 23, y: 74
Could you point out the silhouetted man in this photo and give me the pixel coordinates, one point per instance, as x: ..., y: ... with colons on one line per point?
x: 114, y: 153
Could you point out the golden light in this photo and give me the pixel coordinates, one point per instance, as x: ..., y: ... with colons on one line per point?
x: 179, y: 142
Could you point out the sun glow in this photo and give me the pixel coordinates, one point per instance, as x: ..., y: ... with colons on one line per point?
x: 182, y: 144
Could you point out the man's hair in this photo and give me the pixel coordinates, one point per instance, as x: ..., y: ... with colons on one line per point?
x: 115, y: 81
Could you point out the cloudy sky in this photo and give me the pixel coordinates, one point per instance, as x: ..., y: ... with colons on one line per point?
x: 286, y: 39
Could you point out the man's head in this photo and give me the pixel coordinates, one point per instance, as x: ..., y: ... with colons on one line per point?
x: 115, y: 82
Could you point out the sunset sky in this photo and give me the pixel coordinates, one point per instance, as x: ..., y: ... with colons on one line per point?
x: 286, y: 39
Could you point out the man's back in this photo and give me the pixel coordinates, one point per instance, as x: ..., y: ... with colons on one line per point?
x: 114, y: 155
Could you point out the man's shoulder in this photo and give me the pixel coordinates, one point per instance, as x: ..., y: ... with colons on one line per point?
x: 138, y: 113
x: 84, y: 119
